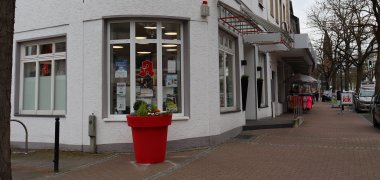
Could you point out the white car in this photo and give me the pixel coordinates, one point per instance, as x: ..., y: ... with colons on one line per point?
x: 362, y: 101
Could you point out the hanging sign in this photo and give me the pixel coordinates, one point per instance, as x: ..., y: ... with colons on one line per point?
x: 146, y: 69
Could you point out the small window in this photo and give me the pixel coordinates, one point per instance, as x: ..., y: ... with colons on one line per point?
x: 146, y: 30
x: 46, y: 49
x: 31, y: 50
x: 171, y: 31
x: 43, y: 83
x: 60, y: 47
x: 120, y: 31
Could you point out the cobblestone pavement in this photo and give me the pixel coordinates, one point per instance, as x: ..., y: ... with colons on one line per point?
x: 328, y: 145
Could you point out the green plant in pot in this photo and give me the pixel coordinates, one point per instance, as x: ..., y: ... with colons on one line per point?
x: 149, y: 130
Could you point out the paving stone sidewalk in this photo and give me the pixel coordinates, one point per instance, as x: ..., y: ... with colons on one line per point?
x: 328, y: 145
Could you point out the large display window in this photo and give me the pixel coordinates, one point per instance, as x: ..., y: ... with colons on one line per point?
x: 145, y: 63
x: 43, y: 77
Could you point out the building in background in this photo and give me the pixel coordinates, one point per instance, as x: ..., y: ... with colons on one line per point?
x: 81, y: 58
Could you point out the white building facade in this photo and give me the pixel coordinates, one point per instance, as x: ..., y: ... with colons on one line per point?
x: 80, y: 58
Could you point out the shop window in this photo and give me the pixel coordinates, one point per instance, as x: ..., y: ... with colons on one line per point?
x: 152, y: 58
x: 171, y: 74
x: 43, y: 82
x: 146, y: 72
x: 262, y: 85
x: 120, y: 81
x: 227, y: 73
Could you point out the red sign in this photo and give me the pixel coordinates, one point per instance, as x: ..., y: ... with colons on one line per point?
x: 45, y: 70
x: 346, y: 98
x: 146, y: 69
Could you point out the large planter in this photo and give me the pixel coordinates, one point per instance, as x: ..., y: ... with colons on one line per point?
x: 259, y: 91
x: 149, y: 137
x: 244, y: 90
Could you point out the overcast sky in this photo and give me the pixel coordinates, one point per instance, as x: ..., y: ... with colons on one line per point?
x: 300, y: 9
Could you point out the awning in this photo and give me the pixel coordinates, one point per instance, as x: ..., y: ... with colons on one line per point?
x: 302, y: 57
x: 273, y: 39
x: 269, y: 42
x: 236, y: 20
x: 300, y: 78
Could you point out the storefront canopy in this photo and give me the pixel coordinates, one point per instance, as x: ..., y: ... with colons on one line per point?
x: 255, y: 29
x: 301, y: 78
x: 236, y: 20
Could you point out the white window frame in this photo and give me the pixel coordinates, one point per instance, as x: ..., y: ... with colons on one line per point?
x: 228, y: 50
x: 132, y: 42
x: 37, y: 59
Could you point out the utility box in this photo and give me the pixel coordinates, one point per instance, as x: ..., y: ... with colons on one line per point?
x: 92, y: 125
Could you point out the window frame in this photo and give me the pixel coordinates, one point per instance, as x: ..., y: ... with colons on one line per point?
x: 53, y: 57
x: 132, y: 41
x: 231, y: 51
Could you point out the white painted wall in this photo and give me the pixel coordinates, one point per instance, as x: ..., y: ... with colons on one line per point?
x: 83, y: 23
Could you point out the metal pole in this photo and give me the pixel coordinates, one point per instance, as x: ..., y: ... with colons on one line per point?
x: 56, y: 146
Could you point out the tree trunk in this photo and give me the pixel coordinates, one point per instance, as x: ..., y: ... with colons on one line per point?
x: 347, y: 78
x: 359, y: 77
x: 377, y: 70
x: 7, y: 12
x: 334, y: 84
x: 327, y: 83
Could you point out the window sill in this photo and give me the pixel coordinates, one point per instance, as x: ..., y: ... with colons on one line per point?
x: 38, y: 115
x: 124, y: 119
x: 229, y: 112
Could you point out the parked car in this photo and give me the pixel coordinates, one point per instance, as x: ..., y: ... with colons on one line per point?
x: 376, y: 111
x: 362, y: 100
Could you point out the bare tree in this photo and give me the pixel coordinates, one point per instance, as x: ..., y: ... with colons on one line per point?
x: 376, y: 31
x: 7, y: 13
x: 346, y: 22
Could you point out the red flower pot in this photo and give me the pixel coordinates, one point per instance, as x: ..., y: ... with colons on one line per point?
x: 149, y: 137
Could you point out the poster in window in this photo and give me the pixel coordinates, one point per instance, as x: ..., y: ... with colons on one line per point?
x: 120, y: 96
x: 171, y: 66
x: 121, y: 69
x: 121, y: 89
x: 171, y: 80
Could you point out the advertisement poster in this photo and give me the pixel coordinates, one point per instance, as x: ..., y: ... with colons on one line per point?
x: 120, y: 96
x: 171, y: 66
x: 121, y: 88
x: 171, y: 80
x: 121, y: 69
x: 346, y: 98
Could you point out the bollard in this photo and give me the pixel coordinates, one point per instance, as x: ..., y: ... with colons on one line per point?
x: 56, y: 146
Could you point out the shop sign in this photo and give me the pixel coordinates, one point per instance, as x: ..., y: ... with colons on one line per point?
x: 146, y: 69
x: 346, y: 98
